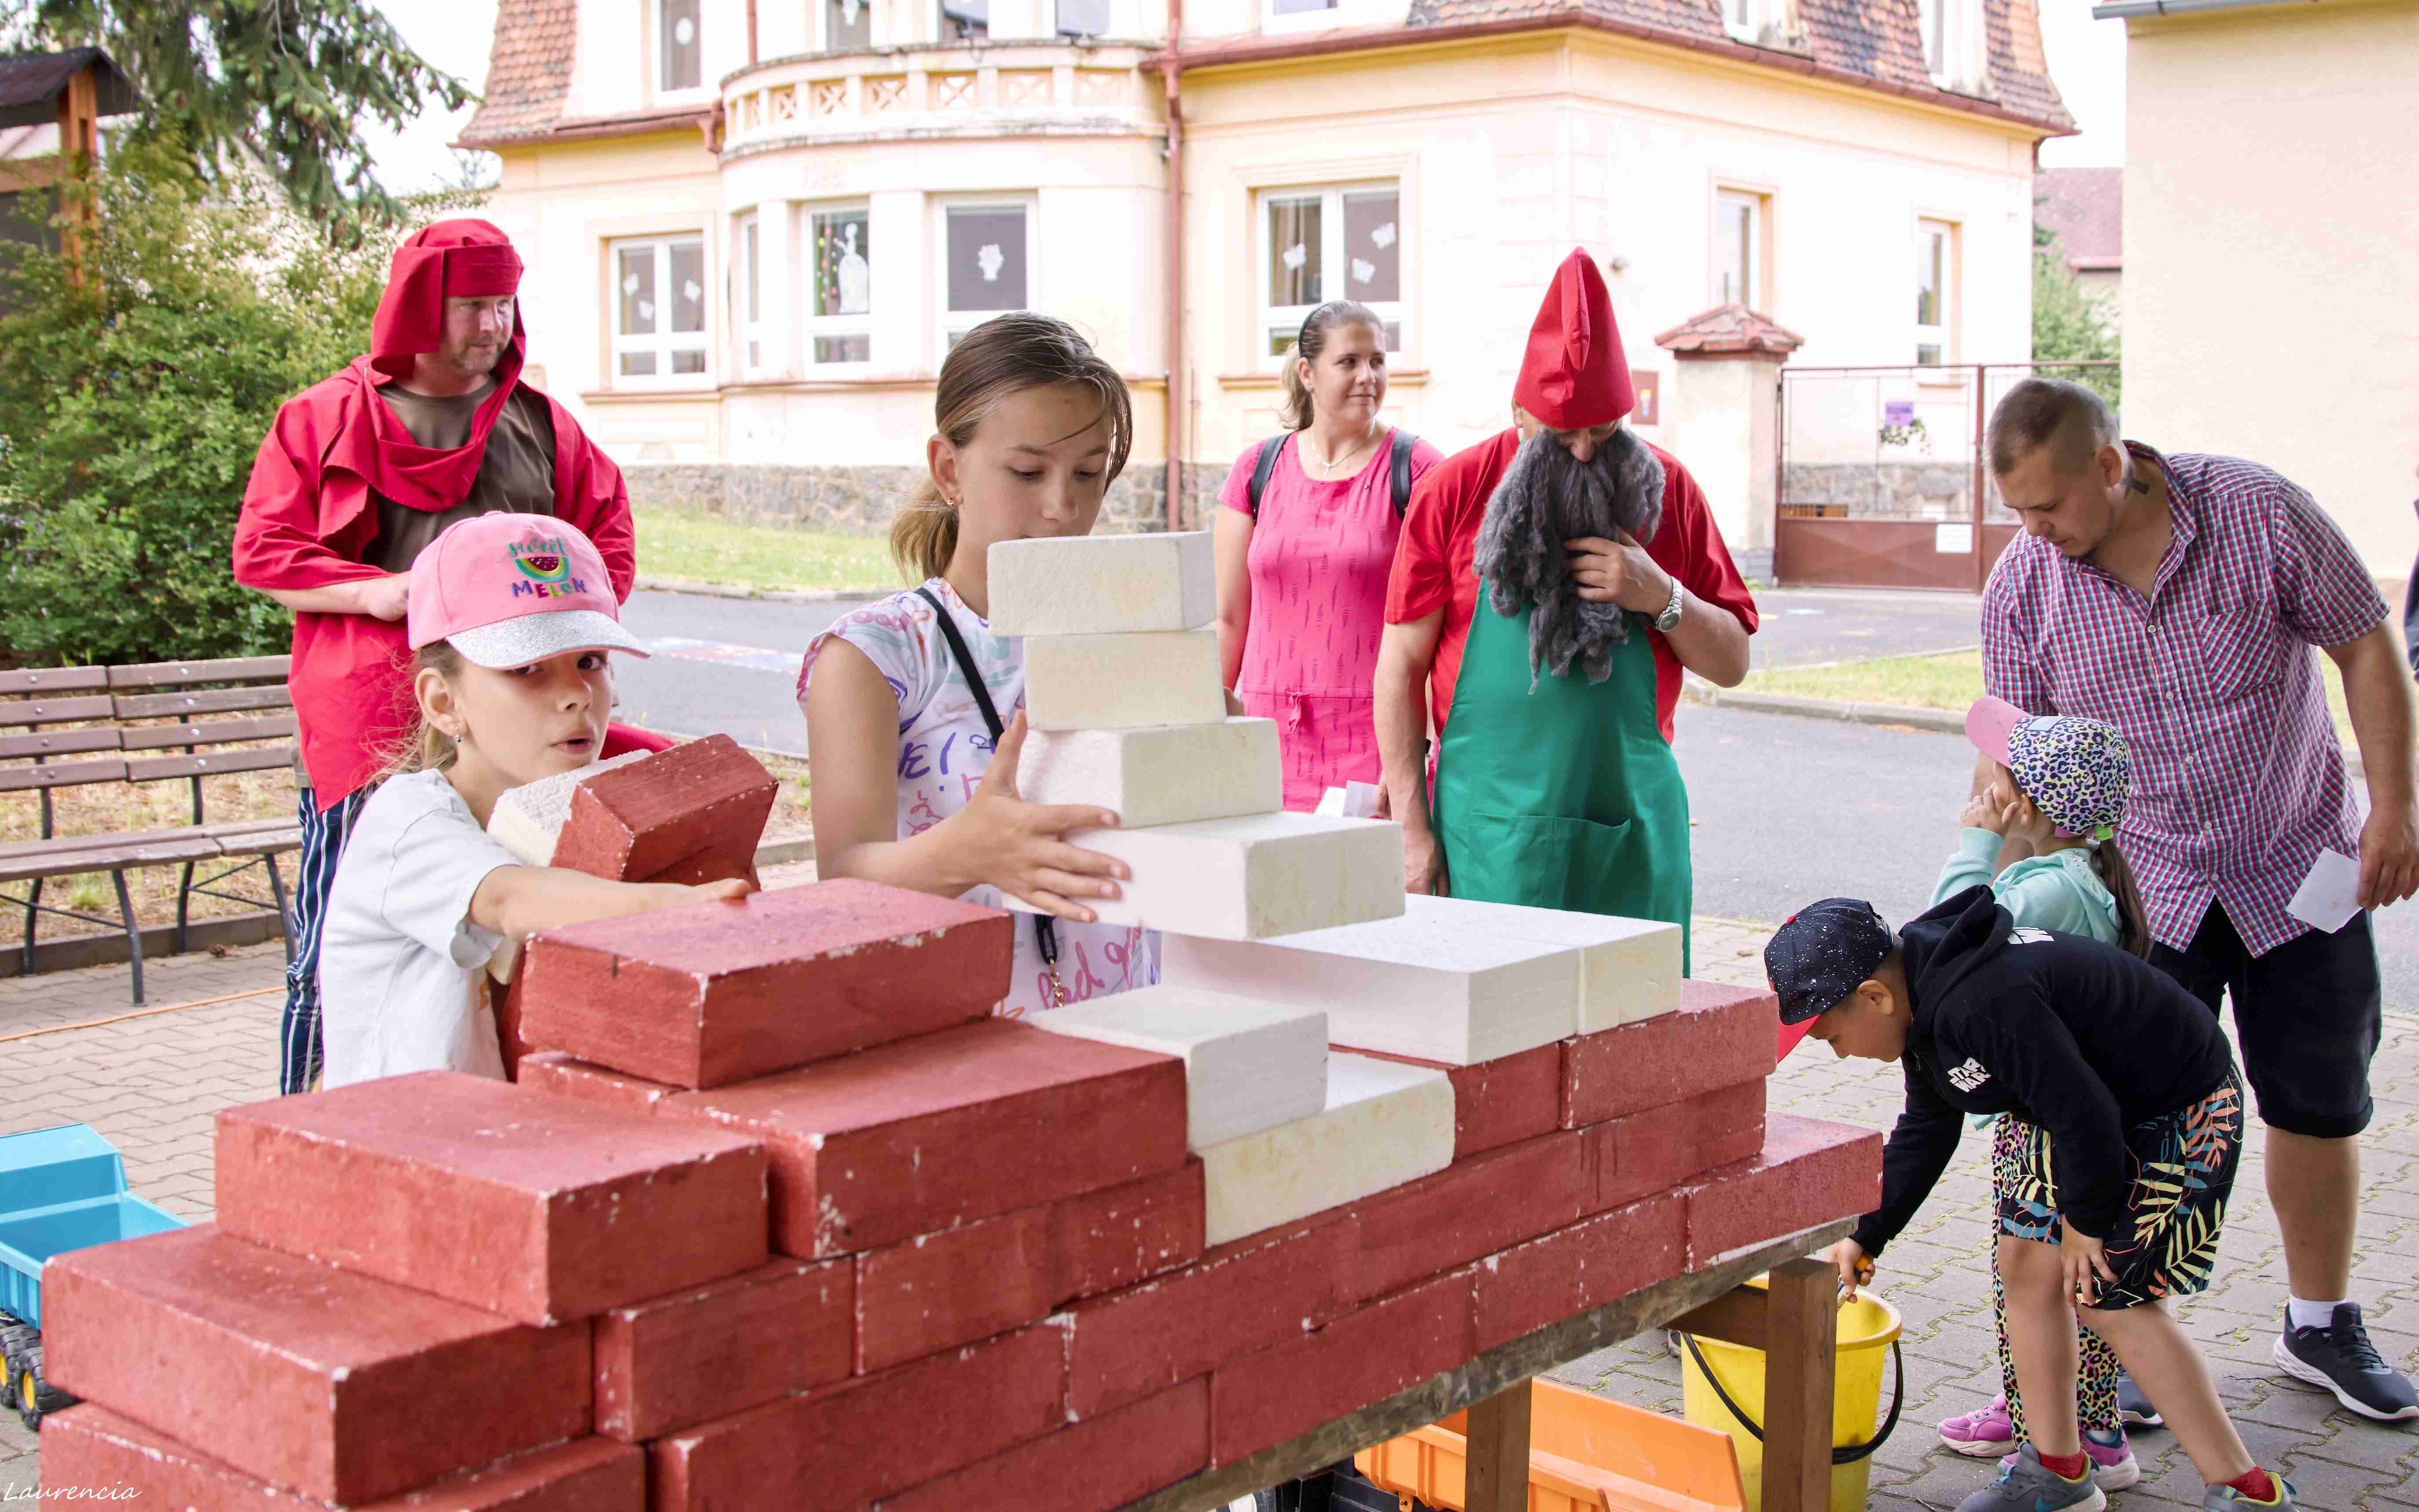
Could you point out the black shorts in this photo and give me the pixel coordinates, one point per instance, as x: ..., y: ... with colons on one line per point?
x: 2309, y: 1014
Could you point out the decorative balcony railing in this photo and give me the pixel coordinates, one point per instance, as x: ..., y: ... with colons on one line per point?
x: 939, y: 90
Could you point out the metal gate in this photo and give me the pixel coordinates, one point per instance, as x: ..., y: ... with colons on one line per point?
x: 1881, y: 469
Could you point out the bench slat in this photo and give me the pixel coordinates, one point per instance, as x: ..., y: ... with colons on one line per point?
x: 267, y: 842
x: 56, y: 711
x: 74, y: 774
x: 214, y: 701
x: 186, y: 673
x: 52, y: 679
x: 230, y: 833
x: 207, y: 732
x: 209, y: 763
x: 107, y: 857
x: 59, y: 743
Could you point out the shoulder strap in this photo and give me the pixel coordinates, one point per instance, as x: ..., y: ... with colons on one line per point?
x: 965, y: 662
x: 1402, y: 466
x: 1262, y: 468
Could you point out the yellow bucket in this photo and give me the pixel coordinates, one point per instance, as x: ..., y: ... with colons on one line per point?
x: 1868, y: 1330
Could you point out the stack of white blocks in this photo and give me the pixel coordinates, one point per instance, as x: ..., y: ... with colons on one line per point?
x: 1282, y: 934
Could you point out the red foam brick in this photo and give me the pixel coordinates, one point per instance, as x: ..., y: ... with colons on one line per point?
x: 90, y: 1448
x: 1656, y: 1151
x: 951, y: 1288
x: 1579, y: 1269
x: 1720, y: 1037
x: 837, y: 1449
x: 560, y: 1075
x: 720, y: 992
x: 1108, y: 1461
x: 312, y: 1378
x: 693, y: 813
x: 914, y: 1137
x: 675, y: 1361
x: 1470, y: 1208
x: 1239, y: 1299
x: 1500, y: 1102
x: 494, y: 1195
x: 1810, y: 1172
x: 1361, y: 1359
x: 1120, y: 1235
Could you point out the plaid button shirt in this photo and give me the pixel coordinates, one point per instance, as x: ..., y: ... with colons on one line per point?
x: 2238, y: 777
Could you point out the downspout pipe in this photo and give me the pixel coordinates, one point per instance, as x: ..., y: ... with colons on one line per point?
x: 2119, y: 9
x: 751, y: 33
x: 1173, y: 73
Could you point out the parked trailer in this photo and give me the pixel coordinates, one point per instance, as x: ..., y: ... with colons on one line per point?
x: 60, y: 1189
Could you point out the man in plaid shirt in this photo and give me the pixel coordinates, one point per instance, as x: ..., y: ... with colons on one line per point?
x: 2177, y: 598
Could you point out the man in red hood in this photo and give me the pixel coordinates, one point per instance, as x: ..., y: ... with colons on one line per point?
x: 357, y: 475
x: 1549, y: 586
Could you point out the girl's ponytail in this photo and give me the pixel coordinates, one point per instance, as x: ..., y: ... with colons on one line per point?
x: 2133, y: 920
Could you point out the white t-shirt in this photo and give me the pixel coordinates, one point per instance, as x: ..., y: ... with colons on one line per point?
x: 944, y: 747
x: 402, y: 969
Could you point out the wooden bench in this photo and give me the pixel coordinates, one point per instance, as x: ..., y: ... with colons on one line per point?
x: 162, y: 722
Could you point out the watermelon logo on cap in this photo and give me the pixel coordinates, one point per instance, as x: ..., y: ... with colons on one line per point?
x: 546, y: 560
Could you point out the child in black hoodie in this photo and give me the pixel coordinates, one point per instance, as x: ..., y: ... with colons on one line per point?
x: 2133, y: 1090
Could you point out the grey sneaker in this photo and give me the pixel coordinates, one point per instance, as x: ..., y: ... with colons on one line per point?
x: 2134, y: 1409
x: 2226, y: 1498
x: 2027, y: 1485
x: 2339, y: 1358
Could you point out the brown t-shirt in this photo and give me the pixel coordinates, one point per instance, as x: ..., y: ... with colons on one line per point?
x: 516, y: 475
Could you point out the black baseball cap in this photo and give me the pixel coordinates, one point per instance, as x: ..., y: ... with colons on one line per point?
x: 1823, y: 950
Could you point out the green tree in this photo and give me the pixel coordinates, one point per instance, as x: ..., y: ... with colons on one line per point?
x: 286, y: 84
x: 2069, y: 325
x: 133, y: 400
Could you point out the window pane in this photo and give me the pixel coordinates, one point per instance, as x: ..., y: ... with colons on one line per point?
x: 638, y: 365
x: 1083, y: 18
x: 637, y: 278
x: 847, y: 25
x: 965, y: 21
x: 987, y: 259
x: 1300, y: 8
x: 843, y: 278
x: 1281, y: 339
x: 678, y: 45
x: 1930, y: 249
x: 858, y: 348
x: 1394, y: 335
x: 1294, y: 244
x: 689, y: 361
x: 1373, y: 247
x: 1927, y: 356
x: 1935, y: 34
x: 688, y: 285
x: 1736, y: 250
x: 752, y: 271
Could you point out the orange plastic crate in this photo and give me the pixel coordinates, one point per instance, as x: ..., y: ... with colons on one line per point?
x: 1584, y: 1452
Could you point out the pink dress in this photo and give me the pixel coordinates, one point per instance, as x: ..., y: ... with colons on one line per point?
x: 1319, y: 559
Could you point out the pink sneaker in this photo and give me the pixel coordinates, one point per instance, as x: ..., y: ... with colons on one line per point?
x: 1986, y: 1430
x: 2113, y: 1465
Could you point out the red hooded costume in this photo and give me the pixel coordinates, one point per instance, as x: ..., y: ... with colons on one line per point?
x: 309, y: 515
x: 1574, y: 376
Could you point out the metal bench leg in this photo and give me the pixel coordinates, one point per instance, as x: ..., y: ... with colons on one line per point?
x: 285, y: 914
x: 134, y: 933
x: 33, y: 906
x: 184, y: 897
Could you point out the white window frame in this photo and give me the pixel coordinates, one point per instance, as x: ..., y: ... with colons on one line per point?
x: 953, y: 323
x: 748, y: 292
x: 658, y: 60
x: 1744, y: 19
x: 1942, y: 337
x: 827, y: 32
x: 1332, y: 261
x: 664, y: 343
x: 1301, y: 21
x: 854, y: 325
x: 1951, y: 32
x: 1757, y: 295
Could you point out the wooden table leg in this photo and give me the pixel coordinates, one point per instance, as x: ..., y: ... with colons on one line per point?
x: 1801, y: 1343
x: 1498, y: 1480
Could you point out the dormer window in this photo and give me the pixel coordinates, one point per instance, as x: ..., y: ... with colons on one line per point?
x: 1952, y: 42
x: 1746, y: 19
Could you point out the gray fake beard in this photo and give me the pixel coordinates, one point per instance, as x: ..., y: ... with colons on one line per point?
x: 1548, y: 497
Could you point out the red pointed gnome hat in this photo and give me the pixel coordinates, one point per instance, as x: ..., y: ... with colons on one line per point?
x: 450, y: 259
x: 1575, y: 375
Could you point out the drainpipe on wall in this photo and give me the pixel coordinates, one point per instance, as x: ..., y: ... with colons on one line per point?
x: 751, y: 33
x: 1174, y: 73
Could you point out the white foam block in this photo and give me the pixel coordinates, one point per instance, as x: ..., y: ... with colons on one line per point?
x: 1248, y: 1065
x: 1103, y: 585
x: 1122, y: 681
x: 1383, y: 1124
x: 1251, y: 878
x: 1163, y: 775
x: 1632, y: 967
x: 527, y: 819
x: 1449, y: 990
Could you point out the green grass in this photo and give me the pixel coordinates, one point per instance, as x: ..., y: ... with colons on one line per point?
x: 700, y: 548
x: 1952, y: 681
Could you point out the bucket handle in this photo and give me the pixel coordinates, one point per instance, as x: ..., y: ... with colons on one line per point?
x: 1840, y: 1455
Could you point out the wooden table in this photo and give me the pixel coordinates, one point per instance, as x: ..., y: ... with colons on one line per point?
x: 1793, y: 1323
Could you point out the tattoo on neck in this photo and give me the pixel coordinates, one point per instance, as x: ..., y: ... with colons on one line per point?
x: 2133, y: 481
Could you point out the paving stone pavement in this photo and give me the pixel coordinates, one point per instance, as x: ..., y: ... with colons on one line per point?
x: 152, y: 1083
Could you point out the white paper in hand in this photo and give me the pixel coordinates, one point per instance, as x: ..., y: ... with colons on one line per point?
x: 2330, y: 895
x: 1331, y: 803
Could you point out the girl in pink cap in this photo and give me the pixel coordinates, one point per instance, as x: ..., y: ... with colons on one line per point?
x: 511, y: 618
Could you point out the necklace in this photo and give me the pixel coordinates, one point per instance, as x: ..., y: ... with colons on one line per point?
x: 1325, y: 468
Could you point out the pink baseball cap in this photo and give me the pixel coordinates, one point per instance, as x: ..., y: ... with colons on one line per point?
x: 1990, y: 723
x: 508, y: 589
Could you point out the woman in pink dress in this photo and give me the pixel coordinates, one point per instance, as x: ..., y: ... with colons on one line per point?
x: 1301, y: 578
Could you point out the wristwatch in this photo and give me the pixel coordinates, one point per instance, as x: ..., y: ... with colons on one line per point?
x: 1671, y: 615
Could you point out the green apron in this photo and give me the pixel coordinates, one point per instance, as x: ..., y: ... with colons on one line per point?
x: 1566, y: 796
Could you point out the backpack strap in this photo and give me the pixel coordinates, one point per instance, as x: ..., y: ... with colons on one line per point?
x: 1402, y: 469
x: 1262, y: 468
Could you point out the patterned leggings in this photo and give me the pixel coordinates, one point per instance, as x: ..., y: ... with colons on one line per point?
x: 2096, y: 1367
x: 299, y: 1048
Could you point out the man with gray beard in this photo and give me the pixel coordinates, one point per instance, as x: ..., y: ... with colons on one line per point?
x: 1550, y: 586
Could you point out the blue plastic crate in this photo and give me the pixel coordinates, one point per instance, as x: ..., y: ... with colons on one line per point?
x: 62, y: 1189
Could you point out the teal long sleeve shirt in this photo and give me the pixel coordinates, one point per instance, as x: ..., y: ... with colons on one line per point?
x: 2059, y: 891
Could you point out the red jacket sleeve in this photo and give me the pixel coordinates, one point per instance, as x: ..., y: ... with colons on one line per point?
x: 1420, y: 582
x: 591, y: 493
x: 277, y: 535
x: 1691, y: 548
